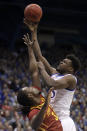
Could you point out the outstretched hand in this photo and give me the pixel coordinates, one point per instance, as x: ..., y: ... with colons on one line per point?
x: 32, y: 26
x: 27, y: 40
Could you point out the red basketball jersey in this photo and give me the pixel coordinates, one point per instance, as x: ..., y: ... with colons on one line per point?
x: 50, y: 122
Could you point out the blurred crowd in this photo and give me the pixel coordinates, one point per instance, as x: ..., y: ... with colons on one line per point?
x: 14, y: 74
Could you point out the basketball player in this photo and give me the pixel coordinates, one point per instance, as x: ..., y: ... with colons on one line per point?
x: 62, y: 79
x: 41, y: 115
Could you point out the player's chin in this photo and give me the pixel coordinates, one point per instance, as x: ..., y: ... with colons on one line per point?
x: 58, y: 69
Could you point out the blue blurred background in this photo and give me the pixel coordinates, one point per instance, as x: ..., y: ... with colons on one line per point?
x: 62, y: 30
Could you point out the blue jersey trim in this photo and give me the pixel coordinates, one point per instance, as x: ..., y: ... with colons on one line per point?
x: 54, y: 74
x: 69, y: 89
x: 57, y: 74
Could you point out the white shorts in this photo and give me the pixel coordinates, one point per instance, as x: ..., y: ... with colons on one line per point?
x: 68, y: 124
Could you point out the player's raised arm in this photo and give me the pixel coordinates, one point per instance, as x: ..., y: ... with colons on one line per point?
x: 67, y: 81
x: 33, y: 68
x: 33, y: 28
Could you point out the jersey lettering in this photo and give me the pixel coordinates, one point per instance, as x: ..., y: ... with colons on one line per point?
x: 53, y: 94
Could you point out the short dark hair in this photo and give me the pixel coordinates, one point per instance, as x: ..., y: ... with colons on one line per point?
x: 22, y: 98
x: 24, y: 101
x: 75, y: 62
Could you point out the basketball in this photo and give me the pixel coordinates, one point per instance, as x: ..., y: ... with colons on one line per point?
x: 33, y: 12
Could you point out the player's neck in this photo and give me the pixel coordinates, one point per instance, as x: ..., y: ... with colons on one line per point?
x: 65, y: 73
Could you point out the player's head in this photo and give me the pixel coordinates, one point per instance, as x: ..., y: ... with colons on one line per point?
x: 70, y: 64
x: 28, y: 97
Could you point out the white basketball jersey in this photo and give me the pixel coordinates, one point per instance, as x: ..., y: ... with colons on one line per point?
x: 61, y: 99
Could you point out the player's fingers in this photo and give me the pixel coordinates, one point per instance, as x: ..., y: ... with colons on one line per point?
x: 24, y: 39
x: 25, y: 36
x: 25, y: 21
x: 25, y: 43
x: 31, y: 43
x: 28, y: 36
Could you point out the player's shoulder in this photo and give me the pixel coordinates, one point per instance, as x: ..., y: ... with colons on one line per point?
x: 70, y: 77
x: 32, y: 113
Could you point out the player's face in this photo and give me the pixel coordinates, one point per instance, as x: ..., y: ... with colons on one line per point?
x: 33, y: 94
x: 64, y: 66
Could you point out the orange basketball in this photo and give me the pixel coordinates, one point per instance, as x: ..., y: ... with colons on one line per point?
x: 33, y: 12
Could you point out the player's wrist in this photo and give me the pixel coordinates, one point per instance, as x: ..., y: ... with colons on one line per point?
x: 34, y: 38
x: 34, y: 32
